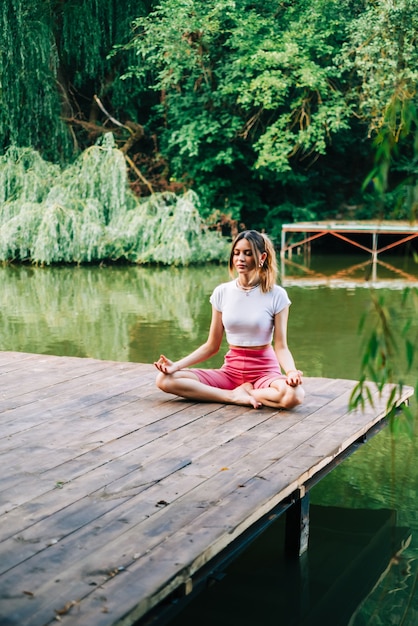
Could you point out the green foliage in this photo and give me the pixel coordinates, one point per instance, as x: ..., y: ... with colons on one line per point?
x: 29, y: 101
x: 86, y: 212
x: 87, y: 31
x: 249, y: 95
x: 291, y: 74
x: 382, y: 50
x: 54, y: 57
x: 266, y: 111
x: 166, y: 229
x: 388, y: 354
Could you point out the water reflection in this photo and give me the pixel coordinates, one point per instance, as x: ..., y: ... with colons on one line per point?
x: 355, y: 270
x: 113, y: 313
x: 135, y: 313
x: 349, y: 550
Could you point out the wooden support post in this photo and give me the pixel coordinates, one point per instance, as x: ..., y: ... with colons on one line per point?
x: 374, y: 246
x: 374, y: 257
x: 283, y: 245
x: 297, y: 527
x: 296, y: 549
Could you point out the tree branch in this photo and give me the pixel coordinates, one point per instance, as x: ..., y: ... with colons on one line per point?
x: 139, y: 174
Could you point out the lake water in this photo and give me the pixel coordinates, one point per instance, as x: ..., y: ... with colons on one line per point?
x: 352, y: 574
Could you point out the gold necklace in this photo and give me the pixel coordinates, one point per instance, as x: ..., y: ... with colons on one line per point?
x: 247, y: 290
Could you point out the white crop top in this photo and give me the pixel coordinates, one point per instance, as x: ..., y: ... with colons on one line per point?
x: 248, y: 317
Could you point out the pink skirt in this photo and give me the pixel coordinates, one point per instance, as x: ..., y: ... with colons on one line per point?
x: 243, y: 365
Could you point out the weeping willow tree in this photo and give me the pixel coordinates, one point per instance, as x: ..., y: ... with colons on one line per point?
x: 29, y: 100
x: 54, y: 58
x: 57, y: 78
x: 87, y: 212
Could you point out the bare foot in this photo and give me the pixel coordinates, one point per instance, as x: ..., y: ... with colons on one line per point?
x: 242, y: 395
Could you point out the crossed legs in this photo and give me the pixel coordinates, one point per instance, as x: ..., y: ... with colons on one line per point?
x: 279, y: 395
x: 186, y: 384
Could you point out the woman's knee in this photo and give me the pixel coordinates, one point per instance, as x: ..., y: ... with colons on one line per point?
x: 288, y: 397
x: 163, y: 381
x: 294, y: 398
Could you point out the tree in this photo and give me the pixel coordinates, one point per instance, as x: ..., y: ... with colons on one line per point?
x: 86, y: 212
x: 270, y: 112
x: 54, y: 58
x: 382, y: 53
x: 250, y: 98
x: 29, y: 101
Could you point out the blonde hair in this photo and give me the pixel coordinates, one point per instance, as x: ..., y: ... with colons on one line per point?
x: 260, y: 244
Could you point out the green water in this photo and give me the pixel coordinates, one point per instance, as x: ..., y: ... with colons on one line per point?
x: 134, y: 314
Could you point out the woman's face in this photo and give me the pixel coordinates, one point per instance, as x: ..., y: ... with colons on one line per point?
x: 243, y: 257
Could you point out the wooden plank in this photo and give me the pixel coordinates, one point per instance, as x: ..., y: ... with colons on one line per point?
x: 119, y: 446
x: 109, y: 476
x: 195, y: 531
x: 132, y: 491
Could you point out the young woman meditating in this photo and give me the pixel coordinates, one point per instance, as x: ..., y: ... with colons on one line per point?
x: 253, y: 311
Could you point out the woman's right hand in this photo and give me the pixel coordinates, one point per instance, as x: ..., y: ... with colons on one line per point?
x: 165, y: 365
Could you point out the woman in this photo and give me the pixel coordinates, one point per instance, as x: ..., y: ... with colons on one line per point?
x: 252, y: 310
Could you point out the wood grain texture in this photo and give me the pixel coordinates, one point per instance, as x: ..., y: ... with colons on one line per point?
x: 113, y: 494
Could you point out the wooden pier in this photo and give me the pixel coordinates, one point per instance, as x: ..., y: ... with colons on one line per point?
x: 117, y: 500
x: 300, y: 235
x: 402, y: 232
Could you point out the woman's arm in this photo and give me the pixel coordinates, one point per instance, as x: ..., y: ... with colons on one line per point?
x: 284, y: 356
x: 204, y: 352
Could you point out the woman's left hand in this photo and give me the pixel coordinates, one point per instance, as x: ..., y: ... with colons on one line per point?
x: 294, y: 378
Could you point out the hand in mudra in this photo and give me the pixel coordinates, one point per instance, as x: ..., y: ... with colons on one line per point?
x: 165, y: 365
x: 294, y: 378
